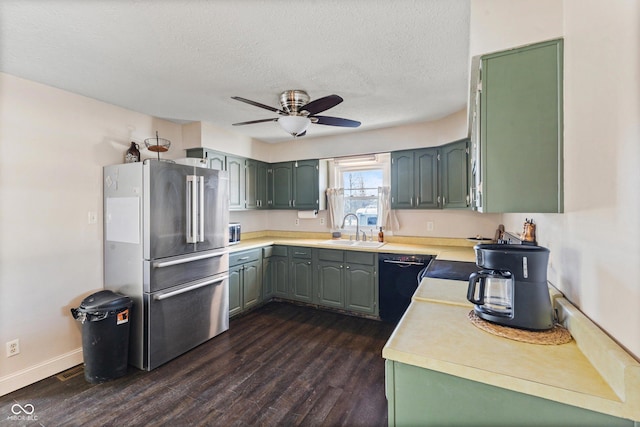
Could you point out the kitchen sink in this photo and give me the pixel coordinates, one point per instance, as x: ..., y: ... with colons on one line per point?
x: 353, y: 243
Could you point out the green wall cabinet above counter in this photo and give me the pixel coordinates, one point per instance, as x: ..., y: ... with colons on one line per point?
x: 431, y: 178
x: 298, y: 185
x: 253, y: 184
x: 516, y: 129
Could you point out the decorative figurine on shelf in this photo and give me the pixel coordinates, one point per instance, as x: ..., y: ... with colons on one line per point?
x: 133, y: 154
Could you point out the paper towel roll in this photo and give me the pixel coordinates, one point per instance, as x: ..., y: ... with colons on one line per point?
x: 307, y: 214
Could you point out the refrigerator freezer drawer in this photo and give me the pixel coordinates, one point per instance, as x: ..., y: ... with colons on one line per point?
x: 169, y: 272
x: 183, y: 317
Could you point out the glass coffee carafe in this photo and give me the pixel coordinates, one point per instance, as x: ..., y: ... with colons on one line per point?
x: 492, y: 292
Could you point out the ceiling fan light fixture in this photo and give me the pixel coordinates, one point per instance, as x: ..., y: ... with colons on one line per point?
x: 294, y: 125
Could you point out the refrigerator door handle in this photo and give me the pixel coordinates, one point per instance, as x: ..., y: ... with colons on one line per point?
x: 160, y: 297
x: 160, y: 264
x: 201, y: 203
x: 192, y: 209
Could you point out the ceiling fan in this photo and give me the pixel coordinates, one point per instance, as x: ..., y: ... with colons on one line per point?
x: 297, y: 113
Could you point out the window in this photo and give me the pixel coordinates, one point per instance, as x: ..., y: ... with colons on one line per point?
x: 361, y: 194
x: 360, y: 178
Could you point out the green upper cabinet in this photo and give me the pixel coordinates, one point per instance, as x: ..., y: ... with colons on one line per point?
x: 426, y: 179
x: 281, y: 182
x: 431, y: 178
x: 402, y: 179
x: 517, y: 130
x: 297, y: 185
x: 215, y: 160
x: 305, y: 184
x: 454, y: 174
x: 414, y: 179
x: 255, y: 184
x: 235, y: 168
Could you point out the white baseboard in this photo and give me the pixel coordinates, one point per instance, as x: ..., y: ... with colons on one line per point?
x: 33, y: 374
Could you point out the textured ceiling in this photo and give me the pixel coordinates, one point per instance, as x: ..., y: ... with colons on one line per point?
x: 394, y: 62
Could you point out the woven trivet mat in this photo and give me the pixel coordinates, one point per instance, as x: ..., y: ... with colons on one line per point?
x: 554, y: 336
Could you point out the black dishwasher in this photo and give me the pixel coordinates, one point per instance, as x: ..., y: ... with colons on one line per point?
x: 397, y: 283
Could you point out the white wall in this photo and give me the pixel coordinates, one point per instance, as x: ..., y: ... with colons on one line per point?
x: 595, y: 244
x: 53, y: 145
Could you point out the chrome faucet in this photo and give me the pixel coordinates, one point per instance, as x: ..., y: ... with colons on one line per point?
x: 344, y: 220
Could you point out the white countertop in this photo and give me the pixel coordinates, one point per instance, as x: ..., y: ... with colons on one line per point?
x: 591, y: 371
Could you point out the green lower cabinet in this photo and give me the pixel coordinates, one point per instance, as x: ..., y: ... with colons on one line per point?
x: 329, y: 278
x: 422, y: 397
x: 301, y: 274
x: 346, y: 280
x: 280, y: 276
x: 267, y: 274
x: 235, y: 290
x: 245, y: 281
x: 330, y: 284
x: 360, y: 289
x: 252, y: 284
x: 361, y: 284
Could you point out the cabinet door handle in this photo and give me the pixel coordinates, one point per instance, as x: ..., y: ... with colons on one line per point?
x: 243, y: 258
x: 348, y: 267
x: 411, y: 202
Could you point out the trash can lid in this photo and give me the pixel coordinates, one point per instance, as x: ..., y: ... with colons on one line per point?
x: 104, y: 301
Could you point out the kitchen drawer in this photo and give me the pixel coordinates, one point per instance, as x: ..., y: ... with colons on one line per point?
x: 365, y: 258
x: 330, y: 255
x: 300, y: 252
x: 267, y: 252
x: 279, y: 251
x: 244, y: 256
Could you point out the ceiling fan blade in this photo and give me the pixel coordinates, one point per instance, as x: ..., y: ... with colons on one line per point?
x: 336, y: 121
x: 257, y: 104
x: 321, y: 104
x: 255, y: 121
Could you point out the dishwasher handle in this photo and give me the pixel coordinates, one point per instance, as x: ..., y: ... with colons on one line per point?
x: 402, y: 264
x: 160, y: 297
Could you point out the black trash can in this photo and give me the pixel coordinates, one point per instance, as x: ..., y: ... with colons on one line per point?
x: 105, y: 335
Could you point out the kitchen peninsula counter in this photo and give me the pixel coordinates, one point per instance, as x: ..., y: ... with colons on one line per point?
x: 590, y: 372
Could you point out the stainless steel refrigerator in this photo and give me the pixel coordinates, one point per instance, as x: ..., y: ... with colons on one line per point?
x: 165, y: 246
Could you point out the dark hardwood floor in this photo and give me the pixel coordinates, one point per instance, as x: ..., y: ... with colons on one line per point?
x: 280, y: 365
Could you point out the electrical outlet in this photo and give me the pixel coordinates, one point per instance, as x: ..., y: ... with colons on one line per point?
x: 429, y: 225
x: 321, y: 221
x: 92, y: 217
x: 13, y: 347
x: 297, y: 221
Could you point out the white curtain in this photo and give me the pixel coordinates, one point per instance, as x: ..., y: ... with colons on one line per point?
x: 335, y: 200
x: 386, y: 216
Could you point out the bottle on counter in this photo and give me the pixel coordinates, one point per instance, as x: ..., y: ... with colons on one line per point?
x: 380, y: 236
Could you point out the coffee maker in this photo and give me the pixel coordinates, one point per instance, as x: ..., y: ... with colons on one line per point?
x: 511, y: 289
